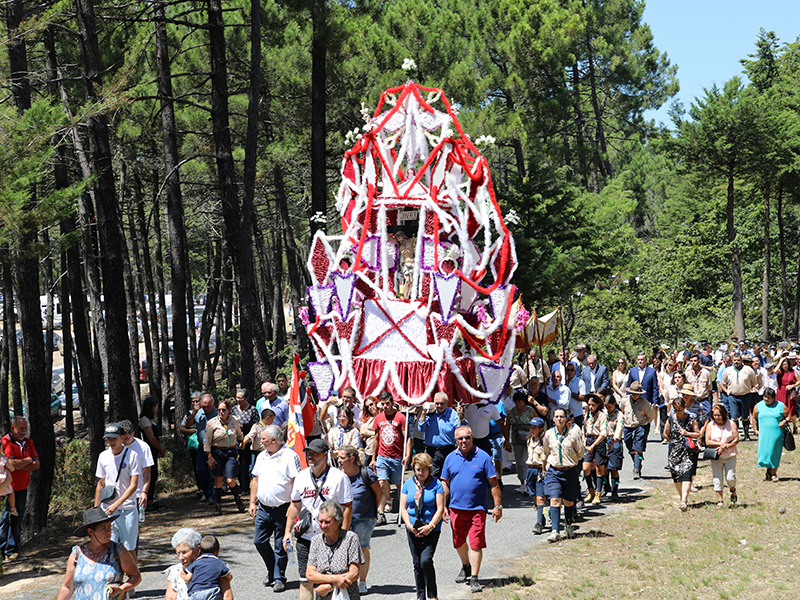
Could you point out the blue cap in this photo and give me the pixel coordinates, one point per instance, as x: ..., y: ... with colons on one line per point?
x: 537, y: 422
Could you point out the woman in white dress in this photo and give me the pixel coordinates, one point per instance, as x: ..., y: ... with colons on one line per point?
x: 619, y: 379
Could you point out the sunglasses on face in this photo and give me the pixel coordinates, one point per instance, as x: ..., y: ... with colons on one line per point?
x: 464, y: 438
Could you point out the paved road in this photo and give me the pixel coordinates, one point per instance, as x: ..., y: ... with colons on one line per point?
x: 391, y: 572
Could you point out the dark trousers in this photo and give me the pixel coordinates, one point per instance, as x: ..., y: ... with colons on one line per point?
x: 422, y: 550
x: 204, y: 474
x: 245, y: 457
x: 271, y: 522
x: 484, y: 444
x: 11, y: 526
x: 193, y: 461
x: 438, y: 454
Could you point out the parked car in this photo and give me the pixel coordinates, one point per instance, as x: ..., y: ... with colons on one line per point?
x: 62, y: 400
x: 144, y: 370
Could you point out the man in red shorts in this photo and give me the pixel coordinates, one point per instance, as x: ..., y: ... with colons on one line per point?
x: 465, y: 475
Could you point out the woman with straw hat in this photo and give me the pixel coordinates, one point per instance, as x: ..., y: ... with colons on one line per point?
x: 95, y: 568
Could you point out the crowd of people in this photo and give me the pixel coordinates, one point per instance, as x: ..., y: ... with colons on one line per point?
x: 566, y: 423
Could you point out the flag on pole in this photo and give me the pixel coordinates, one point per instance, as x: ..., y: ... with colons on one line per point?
x: 301, y: 413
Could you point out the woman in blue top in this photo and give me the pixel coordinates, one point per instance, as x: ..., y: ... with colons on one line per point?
x: 95, y: 569
x: 422, y: 510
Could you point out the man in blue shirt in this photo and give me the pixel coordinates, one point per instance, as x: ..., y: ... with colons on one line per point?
x: 466, y: 474
x: 439, y: 427
x: 197, y: 420
x: 270, y: 399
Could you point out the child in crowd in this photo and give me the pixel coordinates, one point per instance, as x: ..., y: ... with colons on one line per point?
x: 203, y: 576
x: 5, y: 485
x: 254, y: 436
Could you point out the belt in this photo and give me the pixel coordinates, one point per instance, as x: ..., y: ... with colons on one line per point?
x: 268, y: 507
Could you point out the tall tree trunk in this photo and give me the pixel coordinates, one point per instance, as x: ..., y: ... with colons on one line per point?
x: 209, y: 314
x: 736, y: 267
x: 278, y: 316
x: 10, y: 318
x: 66, y: 334
x: 176, y: 230
x: 130, y: 299
x: 782, y: 248
x: 296, y: 280
x: 151, y: 311
x: 319, y: 101
x: 37, y: 392
x: 252, y: 342
x: 47, y: 266
x: 5, y: 413
x: 580, y: 123
x: 765, y: 281
x: 162, y: 304
x: 141, y: 303
x: 120, y: 390
x: 602, y: 148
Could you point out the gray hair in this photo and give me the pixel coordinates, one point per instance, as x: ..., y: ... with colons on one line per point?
x: 274, y: 432
x: 188, y: 536
x: 334, y: 509
x: 17, y: 421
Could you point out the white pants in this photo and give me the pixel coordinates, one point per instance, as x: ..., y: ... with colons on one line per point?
x: 726, y: 468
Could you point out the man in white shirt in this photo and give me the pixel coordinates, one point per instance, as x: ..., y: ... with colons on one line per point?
x: 119, y: 467
x: 559, y: 394
x: 577, y: 392
x: 145, y: 455
x: 311, y: 488
x: 478, y: 416
x: 270, y: 494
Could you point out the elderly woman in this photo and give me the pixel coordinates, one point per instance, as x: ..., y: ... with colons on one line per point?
x: 422, y: 510
x: 680, y: 426
x: 223, y: 436
x: 519, y: 419
x: 769, y: 419
x: 186, y: 542
x: 96, y: 567
x: 335, y: 555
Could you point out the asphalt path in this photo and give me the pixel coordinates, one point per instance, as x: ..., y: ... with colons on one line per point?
x: 391, y: 573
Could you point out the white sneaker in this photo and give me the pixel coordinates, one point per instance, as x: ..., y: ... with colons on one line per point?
x: 554, y: 537
x: 362, y: 587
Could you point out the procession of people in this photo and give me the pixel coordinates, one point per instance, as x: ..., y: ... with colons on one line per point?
x: 363, y: 467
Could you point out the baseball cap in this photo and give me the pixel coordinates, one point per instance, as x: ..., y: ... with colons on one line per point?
x: 113, y: 430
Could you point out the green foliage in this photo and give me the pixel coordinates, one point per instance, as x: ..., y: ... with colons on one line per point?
x: 73, y: 489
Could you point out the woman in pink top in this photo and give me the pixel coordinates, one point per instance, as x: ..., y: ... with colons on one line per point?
x: 723, y: 435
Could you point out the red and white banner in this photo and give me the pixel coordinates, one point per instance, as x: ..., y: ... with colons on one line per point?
x: 301, y: 413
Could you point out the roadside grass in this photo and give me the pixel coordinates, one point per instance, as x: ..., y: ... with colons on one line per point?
x: 651, y: 550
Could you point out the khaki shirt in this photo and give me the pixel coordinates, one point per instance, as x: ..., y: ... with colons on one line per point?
x: 635, y: 414
x: 565, y: 452
x: 222, y: 435
x: 535, y: 452
x: 614, y: 425
x: 595, y: 424
x: 739, y: 382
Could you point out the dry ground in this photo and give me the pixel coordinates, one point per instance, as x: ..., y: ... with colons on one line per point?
x: 654, y: 551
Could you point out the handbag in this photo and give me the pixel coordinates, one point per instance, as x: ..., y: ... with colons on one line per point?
x: 109, y: 492
x: 711, y: 454
x: 788, y: 440
x: 691, y: 445
x: 340, y: 594
x: 302, y: 522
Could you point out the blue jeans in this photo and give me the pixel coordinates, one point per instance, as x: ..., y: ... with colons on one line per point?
x: 271, y: 522
x: 204, y: 474
x: 212, y: 593
x: 11, y: 526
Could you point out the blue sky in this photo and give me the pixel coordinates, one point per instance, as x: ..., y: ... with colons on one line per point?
x: 707, y: 38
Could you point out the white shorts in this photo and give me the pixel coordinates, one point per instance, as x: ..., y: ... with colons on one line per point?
x: 125, y: 529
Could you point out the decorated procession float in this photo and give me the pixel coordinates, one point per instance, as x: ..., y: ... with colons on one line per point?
x: 415, y: 296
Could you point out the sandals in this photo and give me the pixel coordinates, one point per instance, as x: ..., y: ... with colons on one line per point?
x: 683, y: 507
x: 720, y: 504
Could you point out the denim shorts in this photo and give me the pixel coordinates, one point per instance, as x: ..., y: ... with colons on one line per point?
x: 125, y: 530
x: 497, y: 447
x: 535, y: 482
x: 363, y: 529
x: 389, y: 469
